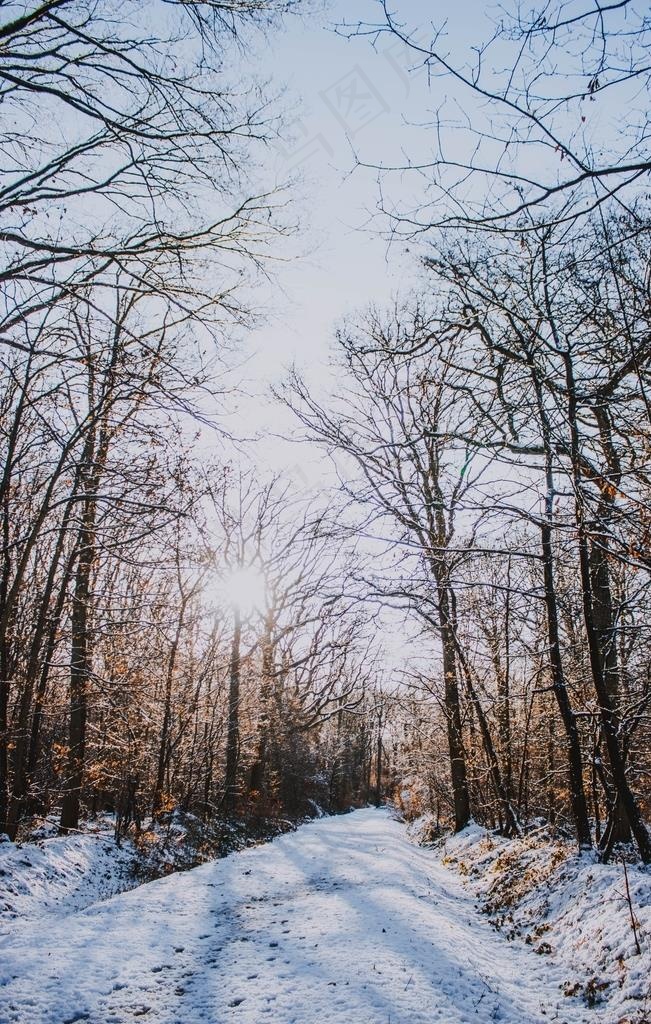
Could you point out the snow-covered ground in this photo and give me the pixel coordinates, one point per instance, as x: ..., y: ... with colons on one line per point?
x: 61, y: 875
x: 592, y: 919
x: 343, y: 921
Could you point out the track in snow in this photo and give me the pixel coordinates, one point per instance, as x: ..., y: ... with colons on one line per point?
x: 342, y: 922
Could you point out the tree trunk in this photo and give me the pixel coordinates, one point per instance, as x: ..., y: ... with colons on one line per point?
x: 574, y: 756
x: 378, y: 765
x: 609, y: 716
x: 233, y: 733
x: 458, y: 772
x: 504, y: 696
x: 619, y: 829
x: 36, y: 672
x: 608, y: 711
x: 259, y: 781
x: 80, y: 671
x: 572, y: 738
x: 163, y: 745
x: 511, y: 824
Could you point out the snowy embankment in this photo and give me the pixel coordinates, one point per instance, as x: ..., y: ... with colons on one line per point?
x: 61, y: 875
x: 344, y: 920
x: 592, y: 920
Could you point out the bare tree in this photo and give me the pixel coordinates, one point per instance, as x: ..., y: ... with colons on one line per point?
x: 396, y: 423
x: 545, y: 322
x: 535, y: 96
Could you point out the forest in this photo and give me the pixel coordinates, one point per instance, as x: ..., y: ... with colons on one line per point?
x: 410, y: 568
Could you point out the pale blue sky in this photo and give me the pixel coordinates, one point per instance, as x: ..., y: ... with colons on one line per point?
x: 343, y: 95
x: 347, y: 96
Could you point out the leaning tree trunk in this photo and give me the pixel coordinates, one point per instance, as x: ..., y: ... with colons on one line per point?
x: 511, y: 825
x: 46, y: 662
x: 37, y: 670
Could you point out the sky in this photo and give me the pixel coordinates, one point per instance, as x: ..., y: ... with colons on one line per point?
x: 350, y: 98
x: 346, y: 98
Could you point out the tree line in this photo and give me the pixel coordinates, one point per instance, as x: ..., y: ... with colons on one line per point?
x: 497, y: 424
x: 178, y: 629
x: 132, y: 227
x: 497, y: 421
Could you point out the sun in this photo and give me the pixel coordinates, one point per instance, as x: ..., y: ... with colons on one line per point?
x: 245, y: 588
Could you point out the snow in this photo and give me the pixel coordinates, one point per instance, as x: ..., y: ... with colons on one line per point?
x: 570, y: 908
x: 61, y: 875
x: 343, y: 921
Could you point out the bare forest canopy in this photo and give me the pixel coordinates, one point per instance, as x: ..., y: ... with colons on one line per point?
x: 179, y: 628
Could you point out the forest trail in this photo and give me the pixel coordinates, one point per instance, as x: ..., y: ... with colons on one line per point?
x: 342, y: 921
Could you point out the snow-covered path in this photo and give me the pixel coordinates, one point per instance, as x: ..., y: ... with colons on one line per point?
x: 342, y: 922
